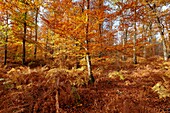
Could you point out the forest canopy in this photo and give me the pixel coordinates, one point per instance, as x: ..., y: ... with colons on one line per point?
x: 52, y: 51
x: 100, y: 28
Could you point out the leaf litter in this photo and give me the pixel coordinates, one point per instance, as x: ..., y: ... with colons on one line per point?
x: 141, y: 88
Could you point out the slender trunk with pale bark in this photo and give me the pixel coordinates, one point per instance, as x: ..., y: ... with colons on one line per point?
x: 88, y: 58
x: 161, y: 31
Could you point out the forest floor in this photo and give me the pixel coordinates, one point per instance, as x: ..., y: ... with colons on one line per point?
x: 133, y: 94
x: 120, y: 87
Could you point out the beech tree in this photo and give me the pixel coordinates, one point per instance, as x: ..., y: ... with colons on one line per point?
x: 161, y: 29
x: 6, y: 39
x: 4, y: 25
x: 88, y: 58
x: 5, y: 34
x: 36, y: 31
x: 85, y: 28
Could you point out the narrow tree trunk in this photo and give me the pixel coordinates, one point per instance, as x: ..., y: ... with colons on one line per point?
x: 46, y: 47
x: 100, y: 41
x: 90, y: 74
x: 144, y: 41
x: 100, y: 31
x: 144, y: 50
x: 6, y: 40
x: 168, y: 39
x: 151, y: 39
x: 88, y: 59
x: 164, y: 47
x: 36, y: 32
x: 24, y: 39
x: 134, y: 48
x: 161, y: 30
x: 57, y: 96
x: 124, y: 42
x: 168, y: 49
x: 134, y: 41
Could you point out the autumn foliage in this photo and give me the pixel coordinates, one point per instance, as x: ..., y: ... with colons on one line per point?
x: 84, y: 56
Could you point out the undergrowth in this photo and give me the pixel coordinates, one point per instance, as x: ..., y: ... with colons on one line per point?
x: 34, y: 90
x: 40, y: 89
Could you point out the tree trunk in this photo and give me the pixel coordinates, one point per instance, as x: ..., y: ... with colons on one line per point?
x: 24, y: 39
x: 6, y: 40
x: 153, y: 51
x: 100, y: 31
x: 144, y: 41
x: 164, y: 47
x: 134, y: 40
x: 36, y: 32
x: 57, y: 95
x: 161, y: 30
x: 124, y: 42
x: 88, y: 59
x: 89, y: 68
x: 46, y: 47
x: 169, y: 43
x: 168, y: 39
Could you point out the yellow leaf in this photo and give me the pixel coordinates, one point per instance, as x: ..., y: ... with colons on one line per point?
x: 19, y: 87
x: 11, y: 71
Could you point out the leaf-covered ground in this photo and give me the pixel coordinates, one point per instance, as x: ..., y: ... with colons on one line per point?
x: 120, y: 87
x: 134, y: 94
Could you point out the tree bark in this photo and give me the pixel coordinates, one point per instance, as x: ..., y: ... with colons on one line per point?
x: 144, y: 41
x: 57, y: 96
x: 46, y: 47
x: 168, y: 39
x: 134, y: 40
x: 161, y: 30
x: 151, y: 39
x: 6, y: 40
x: 36, y: 33
x: 100, y: 25
x: 88, y: 58
x: 124, y: 42
x: 24, y: 39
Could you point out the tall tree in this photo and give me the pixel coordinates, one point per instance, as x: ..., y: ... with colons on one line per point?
x: 161, y: 26
x: 24, y: 39
x: 135, y: 35
x: 6, y: 39
x: 100, y: 25
x: 36, y: 31
x: 88, y: 58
